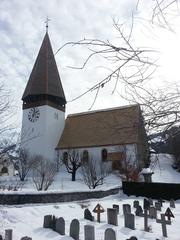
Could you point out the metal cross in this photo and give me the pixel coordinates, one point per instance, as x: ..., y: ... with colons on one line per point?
x: 47, y: 20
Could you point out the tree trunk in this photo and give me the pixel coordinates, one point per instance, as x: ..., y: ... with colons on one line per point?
x: 73, y: 175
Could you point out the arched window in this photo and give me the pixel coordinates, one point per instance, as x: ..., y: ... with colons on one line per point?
x: 104, y: 154
x: 4, y: 170
x: 85, y: 156
x: 65, y: 157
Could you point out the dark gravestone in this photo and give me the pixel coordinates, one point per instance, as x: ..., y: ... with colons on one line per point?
x: 129, y: 221
x: 8, y: 234
x: 47, y: 221
x: 126, y: 209
x: 88, y: 215
x: 74, y: 229
x: 172, y: 203
x: 132, y: 238
x: 146, y: 204
x: 116, y: 207
x: 53, y: 223
x: 163, y: 221
x: 158, y: 206
x: 60, y: 226
x: 1, y: 238
x: 150, y: 201
x: 135, y: 204
x: 152, y: 212
x: 169, y: 214
x: 161, y: 202
x: 26, y: 238
x: 89, y: 232
x: 145, y: 215
x: 112, y: 216
x: 110, y: 234
x: 139, y: 211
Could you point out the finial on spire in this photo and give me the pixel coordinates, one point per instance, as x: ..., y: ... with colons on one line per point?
x: 47, y: 20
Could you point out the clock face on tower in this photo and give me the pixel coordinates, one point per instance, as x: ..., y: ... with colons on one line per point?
x: 34, y: 114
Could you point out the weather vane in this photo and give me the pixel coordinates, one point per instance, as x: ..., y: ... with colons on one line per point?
x: 47, y: 20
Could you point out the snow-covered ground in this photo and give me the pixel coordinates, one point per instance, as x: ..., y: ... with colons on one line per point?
x: 28, y: 219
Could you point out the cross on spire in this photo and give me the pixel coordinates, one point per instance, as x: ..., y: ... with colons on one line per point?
x: 47, y: 20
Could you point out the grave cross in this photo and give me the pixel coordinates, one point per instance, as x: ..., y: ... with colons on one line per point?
x: 145, y: 215
x: 169, y: 214
x: 163, y: 221
x: 98, y: 209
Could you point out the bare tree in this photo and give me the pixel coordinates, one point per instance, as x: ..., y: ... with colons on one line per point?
x: 44, y: 172
x: 94, y: 172
x: 24, y: 163
x: 73, y: 161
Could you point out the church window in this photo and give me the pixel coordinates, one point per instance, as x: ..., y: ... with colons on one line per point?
x: 4, y: 170
x: 65, y: 157
x: 85, y: 156
x: 104, y: 155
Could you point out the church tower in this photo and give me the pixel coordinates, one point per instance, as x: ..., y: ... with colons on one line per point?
x: 43, y: 105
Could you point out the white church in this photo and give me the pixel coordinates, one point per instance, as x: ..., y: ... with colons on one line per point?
x: 107, y: 135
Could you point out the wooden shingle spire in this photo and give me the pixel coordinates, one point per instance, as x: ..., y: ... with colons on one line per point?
x: 44, y: 85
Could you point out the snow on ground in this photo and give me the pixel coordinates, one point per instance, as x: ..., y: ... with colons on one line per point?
x: 62, y: 183
x: 163, y: 171
x: 28, y: 219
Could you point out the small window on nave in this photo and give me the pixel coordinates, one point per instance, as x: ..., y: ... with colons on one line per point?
x: 65, y: 157
x: 104, y: 155
x: 85, y: 156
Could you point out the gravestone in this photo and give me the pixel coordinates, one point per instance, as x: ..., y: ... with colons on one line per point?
x: 53, y: 223
x: 161, y: 202
x: 112, y: 216
x: 150, y: 201
x: 60, y: 226
x: 132, y: 238
x: 152, y: 212
x: 116, y: 207
x: 158, y: 206
x: 98, y: 209
x: 146, y: 204
x: 1, y: 238
x: 110, y: 234
x: 88, y: 215
x: 139, y: 211
x: 126, y: 209
x: 74, y: 229
x: 129, y: 221
x: 26, y: 238
x: 8, y: 234
x: 163, y: 221
x: 89, y: 232
x: 145, y: 215
x: 135, y: 204
x: 172, y: 203
x: 169, y: 214
x: 47, y: 221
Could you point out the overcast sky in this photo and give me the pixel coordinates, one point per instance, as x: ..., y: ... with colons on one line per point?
x: 22, y: 29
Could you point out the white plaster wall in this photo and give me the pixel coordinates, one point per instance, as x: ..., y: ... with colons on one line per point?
x: 42, y: 136
x: 95, y: 152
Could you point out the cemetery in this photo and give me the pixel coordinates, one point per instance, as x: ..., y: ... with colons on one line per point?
x: 112, y: 218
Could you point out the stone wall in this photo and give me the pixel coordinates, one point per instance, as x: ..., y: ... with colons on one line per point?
x: 14, y: 199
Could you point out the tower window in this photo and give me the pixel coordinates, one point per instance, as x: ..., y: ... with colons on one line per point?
x: 104, y: 155
x: 4, y: 170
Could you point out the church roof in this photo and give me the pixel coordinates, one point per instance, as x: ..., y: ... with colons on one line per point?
x: 44, y: 78
x: 101, y: 128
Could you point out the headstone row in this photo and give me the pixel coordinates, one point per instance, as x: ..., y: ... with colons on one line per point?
x: 9, y: 235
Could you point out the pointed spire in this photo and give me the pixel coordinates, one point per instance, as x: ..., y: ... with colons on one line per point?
x: 44, y: 81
